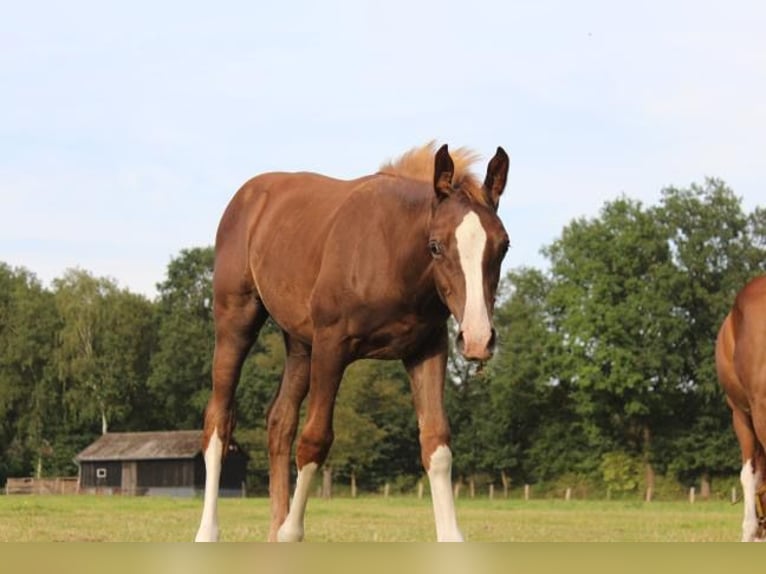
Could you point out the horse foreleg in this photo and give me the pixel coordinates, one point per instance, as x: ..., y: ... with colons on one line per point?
x: 282, y: 425
x: 327, y: 365
x: 237, y: 322
x: 427, y: 372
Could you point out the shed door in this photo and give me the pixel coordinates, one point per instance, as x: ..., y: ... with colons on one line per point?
x: 129, y: 477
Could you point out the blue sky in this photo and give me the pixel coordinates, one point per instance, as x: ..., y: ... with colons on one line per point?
x: 126, y: 127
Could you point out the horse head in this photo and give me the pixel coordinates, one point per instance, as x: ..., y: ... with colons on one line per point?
x: 468, y: 242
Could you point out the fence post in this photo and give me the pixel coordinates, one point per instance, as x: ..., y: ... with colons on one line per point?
x: 526, y: 492
x: 491, y: 491
x: 734, y: 495
x: 420, y: 488
x: 386, y: 490
x: 692, y: 492
x: 568, y: 494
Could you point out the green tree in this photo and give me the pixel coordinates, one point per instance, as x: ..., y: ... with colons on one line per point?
x: 28, y: 392
x: 526, y: 428
x: 611, y: 299
x: 376, y: 435
x: 103, y: 348
x: 715, y: 248
x: 180, y: 378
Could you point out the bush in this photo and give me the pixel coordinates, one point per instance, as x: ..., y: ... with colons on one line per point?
x: 620, y: 472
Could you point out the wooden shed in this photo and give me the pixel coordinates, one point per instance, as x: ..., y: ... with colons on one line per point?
x: 168, y: 463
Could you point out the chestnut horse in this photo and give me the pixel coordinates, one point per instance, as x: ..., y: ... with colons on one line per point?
x: 368, y: 268
x: 740, y: 356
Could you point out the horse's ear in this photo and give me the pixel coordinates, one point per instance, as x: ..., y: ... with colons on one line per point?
x: 444, y: 168
x: 497, y: 173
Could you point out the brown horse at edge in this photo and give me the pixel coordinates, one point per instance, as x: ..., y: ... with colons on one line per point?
x: 740, y: 355
x: 367, y: 268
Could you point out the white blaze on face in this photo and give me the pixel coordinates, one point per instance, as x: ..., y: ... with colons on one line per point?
x: 471, y: 240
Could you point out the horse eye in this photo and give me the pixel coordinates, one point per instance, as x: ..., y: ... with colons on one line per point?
x: 435, y: 248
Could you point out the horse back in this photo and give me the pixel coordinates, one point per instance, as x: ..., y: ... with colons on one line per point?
x: 270, y: 241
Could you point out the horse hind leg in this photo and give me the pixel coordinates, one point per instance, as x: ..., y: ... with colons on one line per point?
x: 751, y: 480
x: 328, y: 361
x: 282, y: 426
x: 755, y: 522
x: 238, y: 319
x: 751, y: 474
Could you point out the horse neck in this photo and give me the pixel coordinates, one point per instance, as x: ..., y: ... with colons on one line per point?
x: 403, y: 209
x: 413, y: 262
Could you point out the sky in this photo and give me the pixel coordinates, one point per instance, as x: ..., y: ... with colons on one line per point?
x: 125, y: 128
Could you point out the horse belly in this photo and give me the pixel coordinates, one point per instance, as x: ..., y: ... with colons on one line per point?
x: 288, y: 304
x: 394, y: 342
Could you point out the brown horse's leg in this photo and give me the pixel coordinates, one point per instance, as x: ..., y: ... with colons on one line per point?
x: 427, y: 372
x: 751, y: 427
x: 282, y: 425
x: 238, y: 318
x: 750, y: 476
x: 758, y: 421
x: 328, y: 360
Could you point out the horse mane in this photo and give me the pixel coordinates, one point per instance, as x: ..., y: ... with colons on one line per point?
x: 418, y: 164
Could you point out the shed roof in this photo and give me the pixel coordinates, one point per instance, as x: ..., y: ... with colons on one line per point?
x: 143, y: 446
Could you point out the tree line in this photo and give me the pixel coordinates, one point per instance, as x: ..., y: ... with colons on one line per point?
x: 603, y: 380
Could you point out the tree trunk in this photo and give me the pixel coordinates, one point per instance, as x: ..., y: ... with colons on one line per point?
x: 506, y: 483
x: 649, y: 469
x: 649, y: 482
x: 705, y: 487
x: 326, y: 481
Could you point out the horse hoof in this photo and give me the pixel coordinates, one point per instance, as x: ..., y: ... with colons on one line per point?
x: 206, y: 535
x: 290, y: 534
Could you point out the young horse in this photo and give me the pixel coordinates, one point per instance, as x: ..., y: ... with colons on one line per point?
x: 369, y: 268
x: 740, y: 356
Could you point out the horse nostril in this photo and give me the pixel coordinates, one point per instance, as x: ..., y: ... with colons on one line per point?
x: 460, y: 342
x: 491, y: 344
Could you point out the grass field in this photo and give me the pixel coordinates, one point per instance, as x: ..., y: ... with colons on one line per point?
x: 367, y: 519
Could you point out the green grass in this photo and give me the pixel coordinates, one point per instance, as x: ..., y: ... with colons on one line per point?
x: 155, y: 519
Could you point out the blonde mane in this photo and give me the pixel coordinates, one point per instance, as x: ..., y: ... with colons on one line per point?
x: 418, y: 163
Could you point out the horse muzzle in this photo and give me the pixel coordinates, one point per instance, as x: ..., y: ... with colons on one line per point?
x: 476, y: 348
